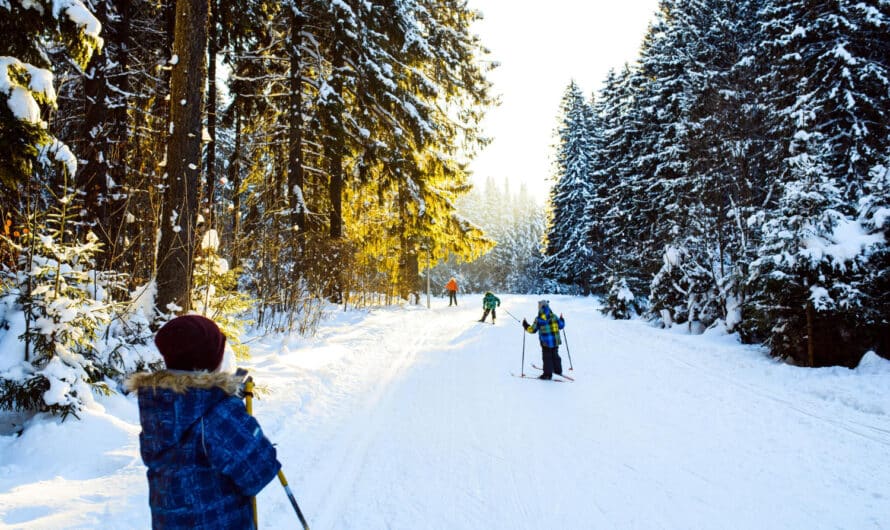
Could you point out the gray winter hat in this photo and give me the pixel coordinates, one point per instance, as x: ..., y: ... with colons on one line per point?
x: 542, y: 304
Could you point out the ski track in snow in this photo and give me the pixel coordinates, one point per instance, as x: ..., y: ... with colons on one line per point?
x: 407, y: 418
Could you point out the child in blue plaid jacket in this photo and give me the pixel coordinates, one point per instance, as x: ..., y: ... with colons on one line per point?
x: 206, y: 457
x: 547, y: 326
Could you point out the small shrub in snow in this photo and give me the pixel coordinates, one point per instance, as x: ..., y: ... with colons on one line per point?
x: 216, y: 294
x: 620, y: 302
x: 61, y: 301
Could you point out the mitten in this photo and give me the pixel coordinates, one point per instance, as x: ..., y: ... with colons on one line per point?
x: 524, y: 323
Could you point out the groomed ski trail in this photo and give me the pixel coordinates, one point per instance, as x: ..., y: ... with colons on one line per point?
x: 414, y: 422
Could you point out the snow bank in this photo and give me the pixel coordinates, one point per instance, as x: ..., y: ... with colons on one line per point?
x: 873, y: 364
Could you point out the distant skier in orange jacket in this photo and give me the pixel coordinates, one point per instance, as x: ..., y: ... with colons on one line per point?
x: 451, y: 287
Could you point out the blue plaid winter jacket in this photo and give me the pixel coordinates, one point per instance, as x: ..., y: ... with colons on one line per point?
x: 206, y: 456
x: 547, y: 326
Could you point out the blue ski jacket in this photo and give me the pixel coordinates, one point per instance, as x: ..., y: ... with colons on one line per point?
x: 547, y: 326
x: 206, y: 456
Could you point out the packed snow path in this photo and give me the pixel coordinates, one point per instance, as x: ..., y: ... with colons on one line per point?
x: 415, y: 422
x: 408, y: 418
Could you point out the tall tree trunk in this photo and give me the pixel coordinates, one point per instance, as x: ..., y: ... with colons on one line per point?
x: 105, y: 129
x: 333, y: 150
x: 119, y: 199
x: 235, y: 179
x: 211, y: 115
x: 333, y: 145
x: 409, y: 275
x: 811, y: 346
x: 187, y: 82
x: 92, y: 179
x: 295, y: 138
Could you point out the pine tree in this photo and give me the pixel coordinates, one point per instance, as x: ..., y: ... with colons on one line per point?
x: 26, y: 80
x: 66, y: 303
x: 620, y: 302
x: 615, y: 203
x: 874, y: 283
x: 567, y: 242
x: 828, y: 97
x: 702, y: 179
x: 606, y: 122
x: 793, y: 280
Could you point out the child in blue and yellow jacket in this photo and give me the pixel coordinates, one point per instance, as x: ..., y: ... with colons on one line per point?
x: 206, y: 457
x: 547, y: 326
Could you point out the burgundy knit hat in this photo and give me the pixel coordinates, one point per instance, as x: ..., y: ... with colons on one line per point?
x: 191, y: 342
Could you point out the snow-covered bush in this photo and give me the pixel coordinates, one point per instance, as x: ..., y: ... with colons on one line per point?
x: 216, y: 294
x: 63, y: 306
x: 620, y: 302
x: 684, y: 291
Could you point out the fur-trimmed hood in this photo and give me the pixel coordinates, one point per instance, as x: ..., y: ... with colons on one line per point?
x: 180, y: 381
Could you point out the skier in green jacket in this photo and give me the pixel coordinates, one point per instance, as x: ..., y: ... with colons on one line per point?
x: 490, y: 303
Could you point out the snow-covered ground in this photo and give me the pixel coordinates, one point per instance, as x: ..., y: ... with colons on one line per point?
x: 408, y: 418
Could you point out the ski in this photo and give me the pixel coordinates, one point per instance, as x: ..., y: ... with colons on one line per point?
x: 556, y: 375
x: 535, y: 378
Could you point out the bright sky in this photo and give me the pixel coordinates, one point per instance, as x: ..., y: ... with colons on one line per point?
x: 540, y: 51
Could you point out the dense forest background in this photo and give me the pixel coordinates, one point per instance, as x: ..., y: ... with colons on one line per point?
x: 158, y: 157
x: 256, y: 160
x: 738, y: 174
x: 516, y: 220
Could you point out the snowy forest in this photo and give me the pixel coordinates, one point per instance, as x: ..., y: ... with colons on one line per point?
x: 161, y: 157
x: 255, y: 160
x: 516, y: 221
x: 738, y: 174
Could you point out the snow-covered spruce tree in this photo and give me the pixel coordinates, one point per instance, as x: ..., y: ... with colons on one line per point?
x: 714, y: 149
x: 524, y: 273
x: 607, y: 137
x: 874, y: 216
x: 630, y: 222
x: 566, y: 244
x: 802, y: 302
x: 65, y: 305
x: 827, y: 90
x: 587, y: 236
x: 649, y: 199
x: 515, y: 221
x: 620, y: 302
x: 684, y: 290
x: 619, y: 195
x: 29, y: 30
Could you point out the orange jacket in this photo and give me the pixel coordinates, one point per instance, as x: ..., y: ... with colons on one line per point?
x: 451, y: 285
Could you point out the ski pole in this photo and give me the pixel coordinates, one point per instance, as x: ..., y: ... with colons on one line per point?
x: 522, y: 370
x: 248, y: 403
x: 248, y: 395
x: 293, y: 500
x: 514, y: 318
x: 566, y: 339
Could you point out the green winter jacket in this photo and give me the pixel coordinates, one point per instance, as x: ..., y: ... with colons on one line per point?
x: 490, y: 301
